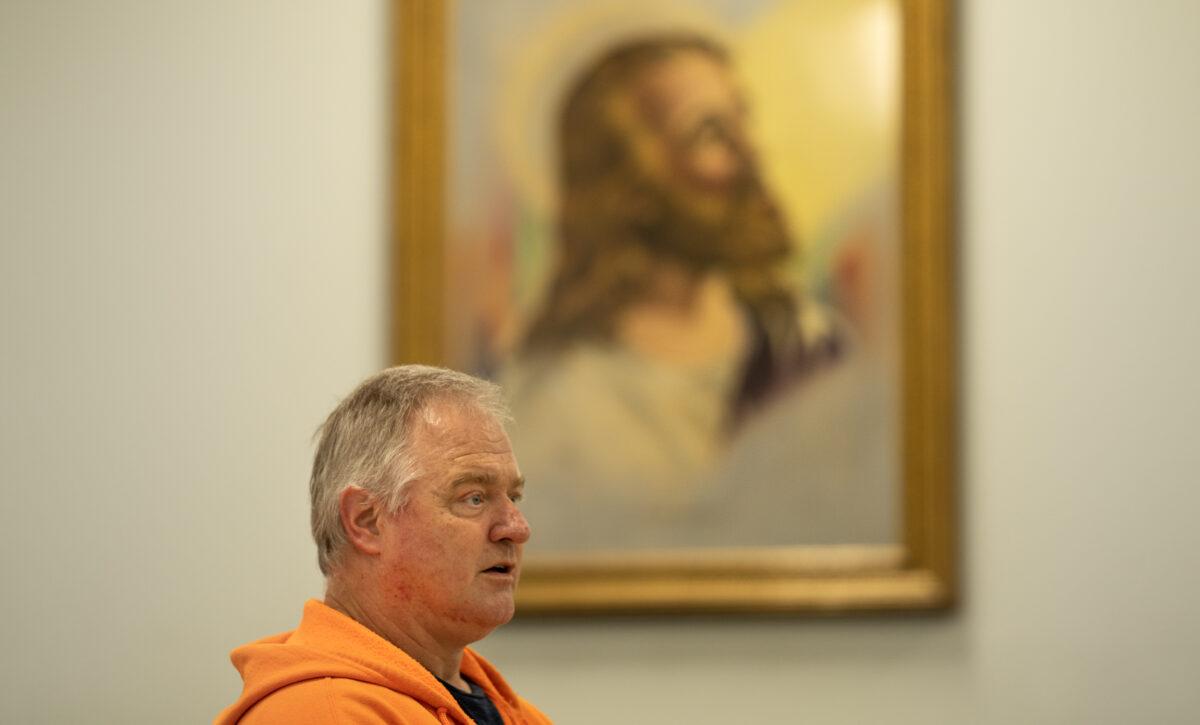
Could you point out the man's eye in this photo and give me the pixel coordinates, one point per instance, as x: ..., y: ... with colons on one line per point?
x: 475, y: 499
x: 517, y: 497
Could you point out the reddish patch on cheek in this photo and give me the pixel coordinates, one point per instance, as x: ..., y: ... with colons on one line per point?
x: 401, y: 590
x: 411, y: 586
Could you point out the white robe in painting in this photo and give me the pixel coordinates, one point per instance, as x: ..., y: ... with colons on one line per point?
x: 623, y: 451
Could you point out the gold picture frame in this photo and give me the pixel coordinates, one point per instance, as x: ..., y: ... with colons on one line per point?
x: 918, y: 573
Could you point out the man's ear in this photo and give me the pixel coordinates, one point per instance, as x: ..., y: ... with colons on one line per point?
x: 360, y: 513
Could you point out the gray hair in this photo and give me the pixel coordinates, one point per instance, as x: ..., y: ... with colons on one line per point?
x: 366, y: 441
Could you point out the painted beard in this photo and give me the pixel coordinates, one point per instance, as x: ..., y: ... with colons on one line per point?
x: 738, y: 229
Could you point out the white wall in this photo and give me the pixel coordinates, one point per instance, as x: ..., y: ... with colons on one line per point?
x: 192, y: 273
x: 192, y: 276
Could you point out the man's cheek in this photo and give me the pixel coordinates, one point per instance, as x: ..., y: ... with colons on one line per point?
x: 401, y: 590
x: 436, y: 556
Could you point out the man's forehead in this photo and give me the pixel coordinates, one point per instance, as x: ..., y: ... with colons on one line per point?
x: 463, y: 438
x: 444, y: 416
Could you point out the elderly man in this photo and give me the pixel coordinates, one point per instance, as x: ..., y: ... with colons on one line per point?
x: 414, y: 511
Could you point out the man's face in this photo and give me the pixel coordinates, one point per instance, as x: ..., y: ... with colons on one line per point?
x: 452, y: 553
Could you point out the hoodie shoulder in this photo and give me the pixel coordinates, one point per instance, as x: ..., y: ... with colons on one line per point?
x: 337, y: 701
x: 333, y: 670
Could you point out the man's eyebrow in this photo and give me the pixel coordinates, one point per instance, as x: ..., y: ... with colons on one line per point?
x: 474, y: 477
x: 485, y: 477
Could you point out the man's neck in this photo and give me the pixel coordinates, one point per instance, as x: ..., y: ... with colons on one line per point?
x: 409, y: 636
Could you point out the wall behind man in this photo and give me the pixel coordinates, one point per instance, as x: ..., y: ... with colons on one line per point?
x: 191, y: 231
x: 192, y: 276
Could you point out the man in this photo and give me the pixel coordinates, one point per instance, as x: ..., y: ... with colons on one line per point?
x: 414, y: 510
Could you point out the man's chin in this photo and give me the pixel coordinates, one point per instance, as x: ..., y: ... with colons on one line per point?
x: 496, y: 610
x: 507, y: 610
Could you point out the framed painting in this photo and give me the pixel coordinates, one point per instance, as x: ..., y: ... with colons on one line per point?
x: 705, y: 248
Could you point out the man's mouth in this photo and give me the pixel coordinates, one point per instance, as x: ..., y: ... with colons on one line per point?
x: 499, y: 569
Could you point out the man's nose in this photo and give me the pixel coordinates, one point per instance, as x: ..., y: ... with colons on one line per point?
x: 512, y: 526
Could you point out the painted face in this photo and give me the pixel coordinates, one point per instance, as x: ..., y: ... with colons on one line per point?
x: 714, y: 208
x: 453, y: 552
x: 693, y: 103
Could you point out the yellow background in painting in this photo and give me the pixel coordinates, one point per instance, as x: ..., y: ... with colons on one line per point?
x: 822, y: 78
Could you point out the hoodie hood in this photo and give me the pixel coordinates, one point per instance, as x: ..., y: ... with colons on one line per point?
x: 330, y: 644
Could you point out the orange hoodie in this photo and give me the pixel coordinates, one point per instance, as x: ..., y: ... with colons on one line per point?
x: 333, y: 670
